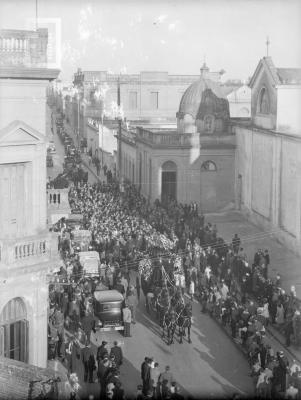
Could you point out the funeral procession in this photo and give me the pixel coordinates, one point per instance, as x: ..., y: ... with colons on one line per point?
x: 150, y: 199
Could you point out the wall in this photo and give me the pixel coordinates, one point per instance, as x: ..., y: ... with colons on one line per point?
x: 129, y: 166
x: 211, y: 190
x: 240, y: 102
x: 34, y: 293
x: 35, y: 185
x: 288, y: 109
x: 23, y: 100
x: 105, y: 139
x: 270, y: 168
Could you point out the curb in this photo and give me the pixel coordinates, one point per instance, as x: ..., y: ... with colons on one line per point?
x: 275, y: 337
x: 238, y: 345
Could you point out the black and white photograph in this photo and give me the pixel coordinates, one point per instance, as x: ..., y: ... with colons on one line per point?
x: 150, y: 199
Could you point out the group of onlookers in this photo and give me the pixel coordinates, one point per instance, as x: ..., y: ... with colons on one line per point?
x: 157, y: 384
x: 125, y: 227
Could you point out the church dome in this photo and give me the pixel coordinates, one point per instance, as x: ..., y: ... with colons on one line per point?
x: 192, y: 96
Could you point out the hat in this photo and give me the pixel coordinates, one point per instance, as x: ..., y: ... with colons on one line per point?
x: 104, y: 342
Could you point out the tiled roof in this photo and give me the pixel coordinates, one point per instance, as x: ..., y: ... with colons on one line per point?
x: 289, y: 76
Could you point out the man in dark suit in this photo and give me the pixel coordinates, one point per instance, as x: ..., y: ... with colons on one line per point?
x: 89, y: 363
x: 145, y: 374
x: 116, y: 351
x: 102, y: 351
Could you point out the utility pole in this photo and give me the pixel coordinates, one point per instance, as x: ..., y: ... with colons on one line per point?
x: 119, y: 132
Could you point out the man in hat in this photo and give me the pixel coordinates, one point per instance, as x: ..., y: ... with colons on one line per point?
x: 283, y: 368
x: 88, y: 323
x: 89, y: 363
x: 133, y: 303
x: 102, y: 351
x: 116, y: 351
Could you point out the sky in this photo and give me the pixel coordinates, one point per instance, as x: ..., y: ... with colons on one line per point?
x: 123, y: 36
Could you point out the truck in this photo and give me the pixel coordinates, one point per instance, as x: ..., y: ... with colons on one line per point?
x: 81, y: 238
x: 90, y: 262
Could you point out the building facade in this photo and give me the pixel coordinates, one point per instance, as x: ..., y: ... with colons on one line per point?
x: 193, y: 163
x: 268, y: 153
x: 28, y: 251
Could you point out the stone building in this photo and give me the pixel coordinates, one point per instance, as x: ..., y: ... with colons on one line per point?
x: 268, y: 153
x: 27, y: 250
x: 195, y: 162
x: 149, y: 95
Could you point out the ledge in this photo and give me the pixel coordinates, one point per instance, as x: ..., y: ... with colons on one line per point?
x: 13, y: 72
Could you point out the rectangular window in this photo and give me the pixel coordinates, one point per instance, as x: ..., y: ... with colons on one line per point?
x: 154, y: 100
x: 133, y: 101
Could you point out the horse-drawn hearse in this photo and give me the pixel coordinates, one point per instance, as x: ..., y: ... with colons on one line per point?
x: 161, y: 284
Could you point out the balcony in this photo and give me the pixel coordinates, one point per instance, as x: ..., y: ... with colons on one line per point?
x: 20, y: 48
x: 29, y: 250
x: 167, y: 138
x: 57, y: 205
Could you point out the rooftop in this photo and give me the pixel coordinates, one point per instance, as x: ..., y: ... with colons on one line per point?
x: 289, y: 76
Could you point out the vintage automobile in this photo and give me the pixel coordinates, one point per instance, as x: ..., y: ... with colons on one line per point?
x: 51, y: 148
x: 81, y: 238
x: 90, y: 262
x: 74, y: 220
x: 108, y: 310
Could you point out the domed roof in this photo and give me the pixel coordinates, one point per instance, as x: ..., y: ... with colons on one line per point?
x: 191, y: 99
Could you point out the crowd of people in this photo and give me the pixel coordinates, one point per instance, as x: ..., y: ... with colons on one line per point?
x: 126, y: 228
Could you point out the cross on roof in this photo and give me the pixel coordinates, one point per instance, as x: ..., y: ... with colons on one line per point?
x: 267, y: 44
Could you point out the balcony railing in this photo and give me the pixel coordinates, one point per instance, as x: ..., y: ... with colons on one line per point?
x: 28, y: 250
x: 167, y: 139
x: 23, y: 48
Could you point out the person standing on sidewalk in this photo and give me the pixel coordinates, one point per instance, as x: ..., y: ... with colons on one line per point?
x: 133, y: 303
x: 127, y: 319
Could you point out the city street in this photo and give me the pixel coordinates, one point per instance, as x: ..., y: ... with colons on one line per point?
x: 213, y: 365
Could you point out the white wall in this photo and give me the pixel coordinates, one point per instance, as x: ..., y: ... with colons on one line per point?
x: 289, y: 109
x: 23, y: 100
x: 270, y: 169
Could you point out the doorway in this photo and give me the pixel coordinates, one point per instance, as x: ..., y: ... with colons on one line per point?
x: 169, y: 182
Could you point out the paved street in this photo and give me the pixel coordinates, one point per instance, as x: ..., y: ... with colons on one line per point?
x: 282, y: 260
x: 213, y: 365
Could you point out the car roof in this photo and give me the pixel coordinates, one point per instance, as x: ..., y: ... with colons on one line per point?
x: 108, y: 295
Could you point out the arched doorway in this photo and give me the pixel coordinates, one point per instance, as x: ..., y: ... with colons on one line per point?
x: 14, y: 331
x: 169, y: 181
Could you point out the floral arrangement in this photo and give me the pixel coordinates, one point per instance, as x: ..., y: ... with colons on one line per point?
x: 74, y: 383
x: 145, y: 268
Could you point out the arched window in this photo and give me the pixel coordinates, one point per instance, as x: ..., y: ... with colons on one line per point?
x: 263, y: 106
x: 209, y: 124
x: 14, y: 330
x: 208, y: 166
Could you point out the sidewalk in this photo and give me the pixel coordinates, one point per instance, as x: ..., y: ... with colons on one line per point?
x: 283, y: 261
x: 85, y: 158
